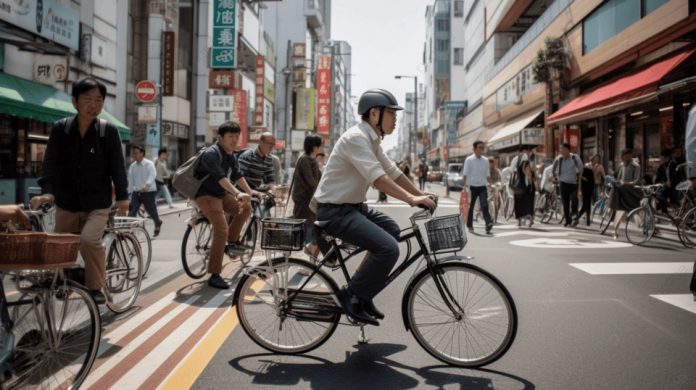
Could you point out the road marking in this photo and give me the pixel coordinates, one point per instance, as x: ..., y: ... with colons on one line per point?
x: 634, y: 268
x: 682, y: 301
x: 567, y: 243
x: 193, y: 365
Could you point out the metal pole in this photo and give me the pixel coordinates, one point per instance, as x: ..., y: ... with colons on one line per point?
x: 415, y: 108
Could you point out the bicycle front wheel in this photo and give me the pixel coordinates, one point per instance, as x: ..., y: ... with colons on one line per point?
x: 640, y: 226
x: 248, y: 240
x: 479, y: 330
x: 687, y: 229
x: 276, y: 321
x: 607, y: 218
x: 57, y: 338
x: 145, y: 241
x: 195, y: 248
x: 124, y: 272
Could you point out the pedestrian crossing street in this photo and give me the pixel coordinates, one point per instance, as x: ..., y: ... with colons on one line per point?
x: 682, y: 301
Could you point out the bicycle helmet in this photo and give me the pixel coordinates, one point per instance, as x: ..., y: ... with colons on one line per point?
x: 378, y: 97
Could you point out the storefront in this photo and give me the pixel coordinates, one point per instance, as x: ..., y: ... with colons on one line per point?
x: 645, y: 110
x: 524, y: 130
x: 27, y: 113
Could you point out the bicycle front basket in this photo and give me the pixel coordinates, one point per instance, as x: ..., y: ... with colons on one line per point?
x: 282, y: 234
x: 446, y: 233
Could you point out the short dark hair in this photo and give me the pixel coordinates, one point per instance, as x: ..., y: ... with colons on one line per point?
x: 477, y: 143
x: 627, y: 151
x: 139, y: 147
x: 311, y: 141
x: 87, y: 84
x: 162, y: 150
x: 566, y: 145
x: 229, y: 127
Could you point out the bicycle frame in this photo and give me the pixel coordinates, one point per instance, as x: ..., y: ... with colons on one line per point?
x: 406, y: 235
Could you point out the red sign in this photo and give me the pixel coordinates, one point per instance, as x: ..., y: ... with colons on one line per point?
x: 324, y: 95
x: 146, y: 91
x: 239, y: 114
x: 220, y: 79
x: 279, y: 144
x: 258, y: 101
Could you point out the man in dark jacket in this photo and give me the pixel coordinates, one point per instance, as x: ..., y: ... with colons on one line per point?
x: 83, y: 158
x: 218, y: 196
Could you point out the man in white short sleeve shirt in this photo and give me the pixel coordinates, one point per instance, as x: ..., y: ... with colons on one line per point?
x: 476, y: 175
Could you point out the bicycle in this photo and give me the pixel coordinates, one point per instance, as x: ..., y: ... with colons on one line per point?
x: 137, y: 227
x: 50, y: 335
x: 289, y: 306
x: 687, y: 229
x: 124, y: 266
x: 198, y: 238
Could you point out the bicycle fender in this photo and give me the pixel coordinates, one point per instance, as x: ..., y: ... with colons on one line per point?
x: 407, y: 291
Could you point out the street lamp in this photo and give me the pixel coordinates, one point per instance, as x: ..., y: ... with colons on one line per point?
x: 415, y: 107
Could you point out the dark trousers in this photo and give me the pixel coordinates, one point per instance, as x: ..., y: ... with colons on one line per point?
x: 482, y: 194
x: 421, y: 181
x: 693, y: 280
x: 586, y: 204
x: 371, y: 230
x: 148, y: 200
x: 569, y: 197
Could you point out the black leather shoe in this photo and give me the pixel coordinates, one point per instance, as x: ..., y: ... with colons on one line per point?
x: 372, y: 310
x: 353, y: 308
x: 218, y: 282
x: 98, y: 297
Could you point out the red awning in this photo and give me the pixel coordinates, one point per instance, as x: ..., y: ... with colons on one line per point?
x: 628, y: 87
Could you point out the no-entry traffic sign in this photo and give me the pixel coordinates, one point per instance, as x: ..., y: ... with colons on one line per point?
x: 146, y: 91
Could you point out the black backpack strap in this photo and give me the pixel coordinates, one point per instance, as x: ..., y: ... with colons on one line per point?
x: 68, y: 124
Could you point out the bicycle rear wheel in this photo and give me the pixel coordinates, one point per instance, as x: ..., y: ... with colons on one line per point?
x: 484, y: 323
x: 145, y: 241
x: 57, y: 338
x: 124, y: 272
x: 278, y: 324
x: 640, y: 226
x: 687, y: 229
x: 195, y: 248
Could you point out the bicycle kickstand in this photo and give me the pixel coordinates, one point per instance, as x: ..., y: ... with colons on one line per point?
x: 362, y: 339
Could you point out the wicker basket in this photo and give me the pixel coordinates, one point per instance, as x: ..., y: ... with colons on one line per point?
x: 282, y: 234
x: 446, y: 233
x: 37, y: 250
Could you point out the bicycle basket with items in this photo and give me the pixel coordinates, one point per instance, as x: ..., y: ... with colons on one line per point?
x: 282, y: 234
x: 446, y: 234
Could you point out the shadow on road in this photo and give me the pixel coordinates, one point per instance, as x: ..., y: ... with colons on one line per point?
x: 367, y: 367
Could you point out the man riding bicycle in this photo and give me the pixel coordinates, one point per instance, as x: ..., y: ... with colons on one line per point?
x: 257, y: 165
x: 218, y: 196
x: 357, y: 162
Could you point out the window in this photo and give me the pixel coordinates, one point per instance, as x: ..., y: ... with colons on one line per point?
x: 459, y: 56
x: 442, y: 44
x: 613, y: 17
x: 442, y: 25
x: 458, y: 8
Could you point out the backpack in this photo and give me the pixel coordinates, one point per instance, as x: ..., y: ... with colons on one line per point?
x: 102, y: 126
x: 184, y: 179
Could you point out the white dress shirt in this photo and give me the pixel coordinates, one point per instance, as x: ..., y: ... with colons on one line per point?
x: 355, y: 163
x: 476, y: 171
x: 141, y: 173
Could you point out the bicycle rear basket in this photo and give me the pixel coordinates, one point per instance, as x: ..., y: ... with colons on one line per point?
x: 446, y: 233
x: 282, y: 234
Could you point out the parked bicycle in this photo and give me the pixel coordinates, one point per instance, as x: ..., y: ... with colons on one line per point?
x: 124, y: 266
x: 198, y: 237
x: 137, y: 227
x: 49, y: 335
x: 458, y: 312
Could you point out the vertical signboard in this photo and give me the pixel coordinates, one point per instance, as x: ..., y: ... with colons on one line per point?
x: 304, y: 109
x: 224, y: 50
x: 258, y: 101
x: 239, y: 114
x: 324, y: 95
x: 168, y: 64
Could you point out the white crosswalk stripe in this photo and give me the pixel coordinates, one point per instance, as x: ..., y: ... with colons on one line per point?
x: 682, y: 301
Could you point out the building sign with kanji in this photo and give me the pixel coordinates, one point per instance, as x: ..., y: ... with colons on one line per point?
x: 239, y: 114
x: 324, y: 95
x: 220, y: 103
x: 258, y: 100
x: 220, y: 79
x: 224, y: 50
x: 168, y: 64
x: 56, y: 20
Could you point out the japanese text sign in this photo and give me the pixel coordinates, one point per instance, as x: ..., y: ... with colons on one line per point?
x: 224, y: 50
x: 324, y: 95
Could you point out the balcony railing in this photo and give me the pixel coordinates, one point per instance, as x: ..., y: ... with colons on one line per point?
x: 531, y: 34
